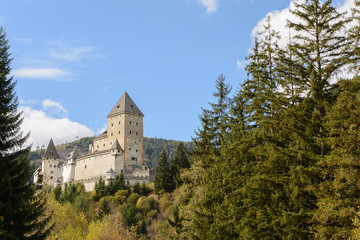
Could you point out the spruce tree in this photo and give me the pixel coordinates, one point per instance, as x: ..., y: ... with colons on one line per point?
x: 214, y: 121
x: 339, y: 195
x: 163, y: 178
x: 179, y: 162
x: 21, y: 209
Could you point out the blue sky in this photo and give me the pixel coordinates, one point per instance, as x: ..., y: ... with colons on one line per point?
x: 74, y: 59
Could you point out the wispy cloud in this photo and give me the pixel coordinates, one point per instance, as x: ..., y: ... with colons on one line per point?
x: 41, y: 73
x: 210, y: 5
x: 62, y: 50
x: 69, y: 53
x: 23, y: 40
x: 53, y: 106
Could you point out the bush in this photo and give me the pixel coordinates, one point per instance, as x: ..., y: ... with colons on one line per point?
x: 145, y: 204
x: 165, y: 202
x: 133, y: 198
x: 120, y: 197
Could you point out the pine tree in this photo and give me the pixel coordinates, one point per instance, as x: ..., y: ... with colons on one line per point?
x: 163, y: 178
x: 21, y: 209
x: 179, y: 162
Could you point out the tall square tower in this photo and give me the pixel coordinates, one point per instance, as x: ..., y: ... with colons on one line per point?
x: 125, y: 123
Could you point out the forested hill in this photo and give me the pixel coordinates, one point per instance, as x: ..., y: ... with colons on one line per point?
x: 152, y: 148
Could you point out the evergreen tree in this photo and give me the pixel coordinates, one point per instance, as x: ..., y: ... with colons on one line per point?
x: 179, y: 162
x: 163, y: 178
x: 100, y: 187
x: 214, y: 122
x: 339, y: 195
x: 322, y: 49
x: 21, y: 209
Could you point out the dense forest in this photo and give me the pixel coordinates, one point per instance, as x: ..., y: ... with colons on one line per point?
x: 279, y: 159
x: 152, y: 148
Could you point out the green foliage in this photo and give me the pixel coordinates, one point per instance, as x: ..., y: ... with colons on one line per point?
x: 57, y: 192
x: 133, y: 198
x: 116, y: 184
x: 21, y: 209
x: 137, y: 188
x: 104, y: 208
x: 163, y: 178
x: 121, y: 196
x: 180, y: 161
x: 100, y: 188
x: 129, y: 214
x: 145, y: 204
x: 154, y: 146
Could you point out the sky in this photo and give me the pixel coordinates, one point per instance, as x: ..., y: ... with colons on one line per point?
x: 73, y: 60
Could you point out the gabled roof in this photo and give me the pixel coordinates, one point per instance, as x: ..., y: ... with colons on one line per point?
x: 125, y: 105
x: 51, y: 151
x: 116, y: 145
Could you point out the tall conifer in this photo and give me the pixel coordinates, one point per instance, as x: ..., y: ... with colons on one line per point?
x: 163, y: 178
x: 21, y: 209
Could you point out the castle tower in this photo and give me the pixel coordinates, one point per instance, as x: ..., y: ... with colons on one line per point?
x: 125, y: 124
x: 49, y: 164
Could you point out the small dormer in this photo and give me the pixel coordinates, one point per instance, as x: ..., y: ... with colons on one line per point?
x: 110, y: 175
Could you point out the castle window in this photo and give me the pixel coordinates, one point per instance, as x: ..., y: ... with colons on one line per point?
x: 50, y: 165
x: 85, y: 166
x: 119, y: 132
x: 134, y: 158
x: 51, y: 177
x: 104, y: 144
x: 130, y: 132
x: 137, y: 124
x: 132, y: 105
x: 118, y: 106
x: 97, y: 146
x: 136, y: 150
x: 112, y: 124
x: 111, y: 134
x: 130, y: 122
x: 119, y: 122
x: 129, y: 149
x: 137, y: 133
x: 51, y: 171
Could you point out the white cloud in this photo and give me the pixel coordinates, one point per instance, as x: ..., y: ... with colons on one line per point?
x: 279, y: 20
x: 69, y: 53
x: 42, y: 127
x: 211, y: 5
x: 40, y: 73
x: 101, y: 130
x: 27, y: 101
x: 241, y: 64
x: 50, y: 105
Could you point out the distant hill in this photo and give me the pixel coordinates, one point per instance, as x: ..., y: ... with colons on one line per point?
x: 152, y: 148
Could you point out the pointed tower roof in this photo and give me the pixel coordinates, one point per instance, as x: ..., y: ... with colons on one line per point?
x: 74, y: 154
x: 116, y: 145
x: 125, y: 105
x: 111, y: 171
x: 51, y: 151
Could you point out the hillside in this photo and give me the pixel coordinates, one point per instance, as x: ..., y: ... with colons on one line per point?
x: 152, y: 148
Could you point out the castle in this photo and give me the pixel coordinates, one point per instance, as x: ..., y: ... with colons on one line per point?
x: 117, y: 150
